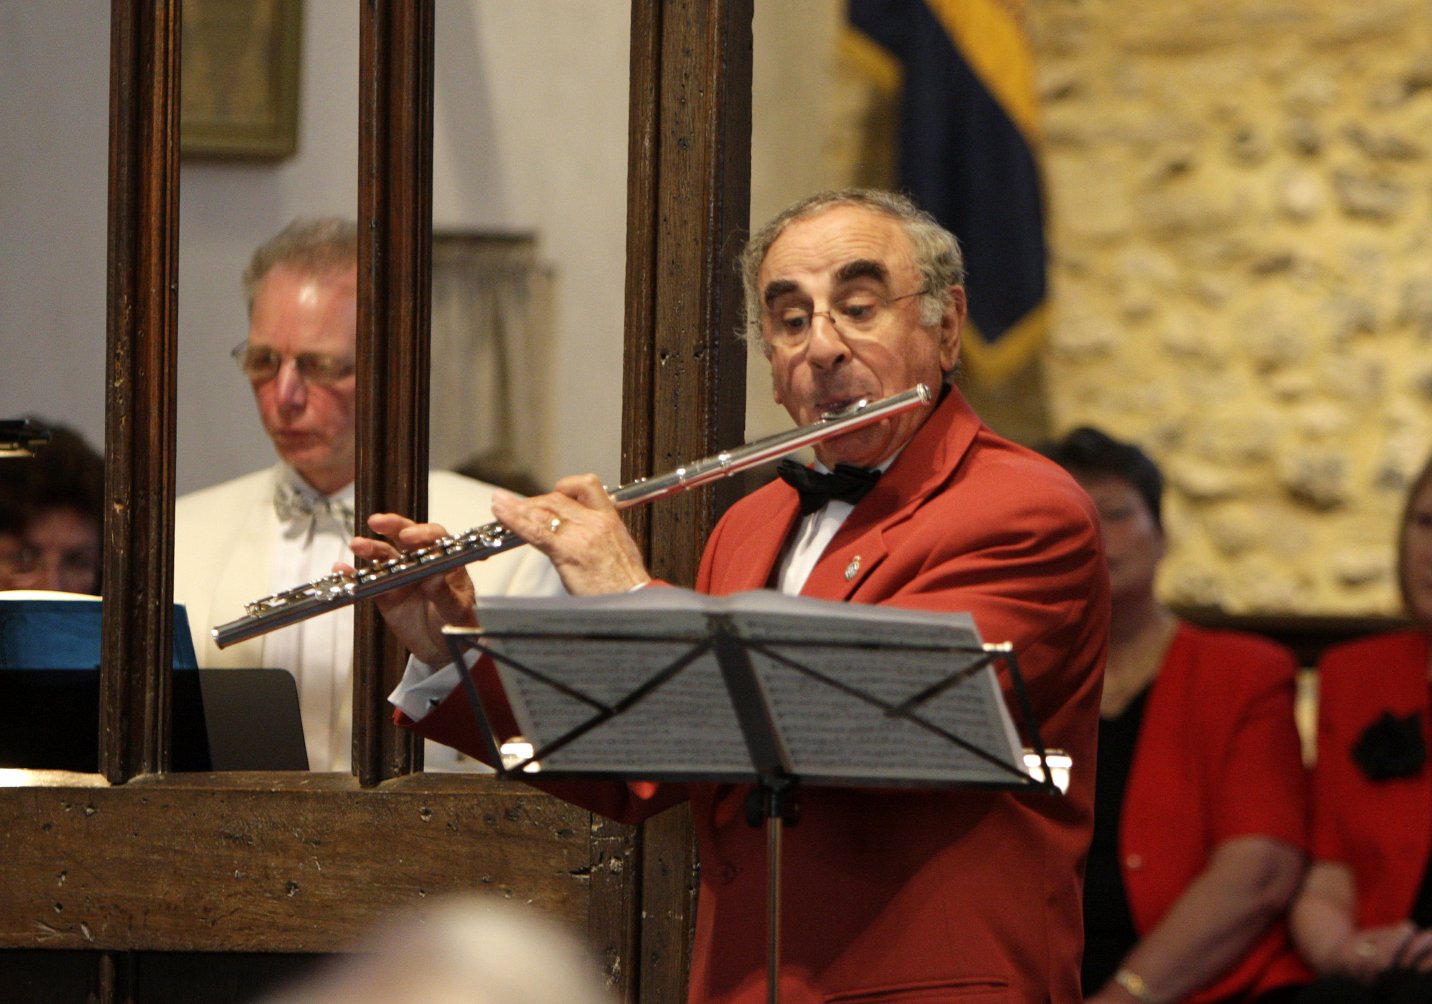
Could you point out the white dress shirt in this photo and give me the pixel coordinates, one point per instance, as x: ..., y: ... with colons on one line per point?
x: 318, y: 651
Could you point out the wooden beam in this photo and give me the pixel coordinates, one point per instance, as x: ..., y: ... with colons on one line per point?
x: 395, y: 236
x: 272, y: 863
x: 688, y: 198
x: 688, y: 204
x: 141, y: 334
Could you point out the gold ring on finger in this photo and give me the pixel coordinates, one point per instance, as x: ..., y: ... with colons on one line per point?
x: 554, y: 524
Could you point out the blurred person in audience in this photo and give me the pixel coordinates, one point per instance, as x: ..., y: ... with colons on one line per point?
x: 467, y: 950
x: 16, y: 560
x: 1362, y: 918
x: 52, y: 516
x: 1200, y: 802
x: 286, y: 525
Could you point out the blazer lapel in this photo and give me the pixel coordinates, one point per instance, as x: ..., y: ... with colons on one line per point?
x: 761, y: 522
x: 923, y: 467
x: 850, y: 556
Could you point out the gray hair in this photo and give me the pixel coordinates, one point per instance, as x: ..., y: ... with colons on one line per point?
x: 312, y: 245
x: 935, y: 250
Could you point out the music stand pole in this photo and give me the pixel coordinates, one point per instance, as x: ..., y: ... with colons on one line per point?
x: 777, y: 806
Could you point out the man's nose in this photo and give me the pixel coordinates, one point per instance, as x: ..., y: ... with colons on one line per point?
x: 826, y: 347
x: 291, y: 391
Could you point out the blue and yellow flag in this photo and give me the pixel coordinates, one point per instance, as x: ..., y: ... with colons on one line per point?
x: 963, y: 73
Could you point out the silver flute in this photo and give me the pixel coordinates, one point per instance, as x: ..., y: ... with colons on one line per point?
x: 341, y: 589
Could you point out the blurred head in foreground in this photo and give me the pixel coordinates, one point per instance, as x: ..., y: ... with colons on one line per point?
x: 467, y: 950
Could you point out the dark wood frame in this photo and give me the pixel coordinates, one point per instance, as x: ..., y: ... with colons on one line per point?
x: 134, y: 860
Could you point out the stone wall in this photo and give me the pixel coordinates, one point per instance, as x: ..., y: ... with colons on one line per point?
x: 1239, y: 222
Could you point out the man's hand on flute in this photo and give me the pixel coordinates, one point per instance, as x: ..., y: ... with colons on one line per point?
x: 417, y: 613
x: 577, y: 526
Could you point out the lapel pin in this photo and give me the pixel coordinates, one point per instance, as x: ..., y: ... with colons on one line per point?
x: 852, y: 568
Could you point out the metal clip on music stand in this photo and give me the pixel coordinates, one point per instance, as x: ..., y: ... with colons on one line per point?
x: 566, y: 706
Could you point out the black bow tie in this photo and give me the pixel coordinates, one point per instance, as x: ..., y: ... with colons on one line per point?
x: 844, y: 484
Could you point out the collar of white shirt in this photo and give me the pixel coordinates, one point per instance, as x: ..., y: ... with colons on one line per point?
x: 812, y: 536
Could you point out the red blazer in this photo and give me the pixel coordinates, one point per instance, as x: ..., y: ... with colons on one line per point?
x: 918, y: 895
x: 1217, y: 758
x: 1381, y: 829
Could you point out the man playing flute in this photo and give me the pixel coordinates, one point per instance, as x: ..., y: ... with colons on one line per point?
x: 897, y: 894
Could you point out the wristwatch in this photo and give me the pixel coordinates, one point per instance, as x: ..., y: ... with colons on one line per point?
x: 1134, y: 984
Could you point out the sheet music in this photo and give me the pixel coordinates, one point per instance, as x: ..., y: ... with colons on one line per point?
x: 685, y: 725
x: 891, y: 655
x: 822, y: 726
x: 688, y: 727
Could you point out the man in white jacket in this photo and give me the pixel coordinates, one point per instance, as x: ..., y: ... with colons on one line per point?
x: 286, y: 525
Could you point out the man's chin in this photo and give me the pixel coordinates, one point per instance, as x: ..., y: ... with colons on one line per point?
x: 296, y: 457
x: 310, y: 462
x: 861, y: 448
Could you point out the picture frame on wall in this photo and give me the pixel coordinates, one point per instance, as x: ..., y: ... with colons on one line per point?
x: 239, y: 75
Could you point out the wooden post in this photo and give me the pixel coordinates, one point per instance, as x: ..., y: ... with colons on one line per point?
x: 684, y: 391
x: 141, y: 333
x: 395, y: 230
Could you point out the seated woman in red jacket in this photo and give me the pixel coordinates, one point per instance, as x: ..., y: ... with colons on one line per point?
x: 1200, y: 804
x: 1362, y: 917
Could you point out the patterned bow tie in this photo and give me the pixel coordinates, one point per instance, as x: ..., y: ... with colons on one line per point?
x: 294, y: 504
x: 844, y: 484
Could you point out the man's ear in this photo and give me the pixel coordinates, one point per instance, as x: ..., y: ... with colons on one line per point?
x: 952, y: 327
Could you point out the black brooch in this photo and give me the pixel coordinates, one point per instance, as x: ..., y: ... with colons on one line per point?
x: 1391, y: 747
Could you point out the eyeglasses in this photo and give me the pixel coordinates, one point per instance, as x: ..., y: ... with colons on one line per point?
x: 261, y: 364
x: 25, y: 560
x: 857, y: 313
x: 22, y: 559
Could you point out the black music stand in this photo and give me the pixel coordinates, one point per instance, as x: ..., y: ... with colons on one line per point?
x: 637, y: 687
x: 22, y: 437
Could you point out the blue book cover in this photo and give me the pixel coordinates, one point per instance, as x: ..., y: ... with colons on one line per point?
x: 62, y: 631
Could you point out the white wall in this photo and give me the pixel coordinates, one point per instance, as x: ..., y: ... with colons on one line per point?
x: 793, y: 75
x: 530, y: 135
x: 54, y: 121
x: 226, y: 208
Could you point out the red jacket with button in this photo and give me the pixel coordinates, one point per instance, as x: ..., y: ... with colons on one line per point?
x: 918, y: 894
x: 1382, y: 830
x: 1217, y: 757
